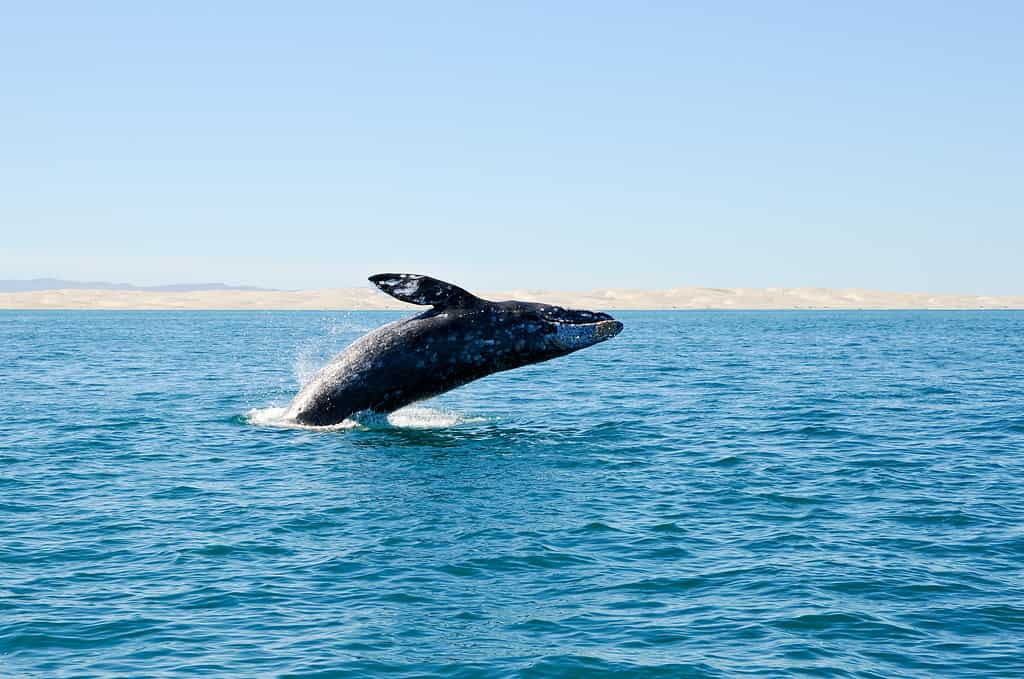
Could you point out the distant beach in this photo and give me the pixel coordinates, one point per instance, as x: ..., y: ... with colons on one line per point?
x: 369, y: 299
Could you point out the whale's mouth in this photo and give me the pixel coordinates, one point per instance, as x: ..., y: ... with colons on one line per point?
x: 572, y: 336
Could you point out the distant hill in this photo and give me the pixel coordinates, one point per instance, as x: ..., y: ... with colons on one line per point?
x: 36, y: 284
x: 365, y: 297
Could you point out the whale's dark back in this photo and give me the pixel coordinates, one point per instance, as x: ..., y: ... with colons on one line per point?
x: 461, y: 339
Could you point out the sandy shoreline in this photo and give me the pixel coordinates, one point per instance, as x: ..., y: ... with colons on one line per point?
x: 611, y: 299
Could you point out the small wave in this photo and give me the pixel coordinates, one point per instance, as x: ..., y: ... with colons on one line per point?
x: 411, y: 417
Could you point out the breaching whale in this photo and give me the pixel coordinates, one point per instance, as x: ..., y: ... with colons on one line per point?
x: 460, y: 339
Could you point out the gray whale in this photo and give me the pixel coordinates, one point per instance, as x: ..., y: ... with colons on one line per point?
x: 461, y: 338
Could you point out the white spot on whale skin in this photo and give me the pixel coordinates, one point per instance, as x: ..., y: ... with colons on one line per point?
x: 408, y: 288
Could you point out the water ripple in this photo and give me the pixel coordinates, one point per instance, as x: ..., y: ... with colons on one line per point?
x: 709, y: 495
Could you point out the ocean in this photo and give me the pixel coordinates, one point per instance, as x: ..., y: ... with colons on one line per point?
x: 710, y: 494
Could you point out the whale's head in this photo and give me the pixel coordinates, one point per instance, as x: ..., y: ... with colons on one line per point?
x: 574, y: 329
x: 538, y: 332
x: 503, y: 334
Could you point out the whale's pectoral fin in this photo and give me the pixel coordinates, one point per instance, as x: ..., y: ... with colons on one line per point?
x: 416, y: 289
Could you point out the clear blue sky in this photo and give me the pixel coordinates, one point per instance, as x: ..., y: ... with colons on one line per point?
x: 545, y: 145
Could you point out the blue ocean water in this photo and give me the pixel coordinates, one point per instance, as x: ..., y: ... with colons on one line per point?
x: 710, y: 494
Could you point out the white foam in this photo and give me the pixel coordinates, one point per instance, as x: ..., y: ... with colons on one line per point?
x: 410, y: 417
x: 422, y: 417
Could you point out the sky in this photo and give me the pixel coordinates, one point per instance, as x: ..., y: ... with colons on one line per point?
x: 568, y: 145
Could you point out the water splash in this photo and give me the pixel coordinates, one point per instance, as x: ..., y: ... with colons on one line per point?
x: 410, y: 417
x: 314, y: 352
x: 310, y: 357
x: 423, y: 417
x: 275, y: 416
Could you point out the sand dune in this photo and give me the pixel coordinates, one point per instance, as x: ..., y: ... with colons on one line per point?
x: 369, y: 298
